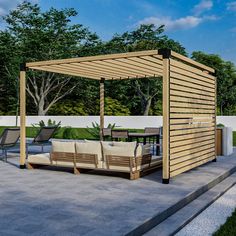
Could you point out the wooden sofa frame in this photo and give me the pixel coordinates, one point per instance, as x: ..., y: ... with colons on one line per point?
x: 111, y: 160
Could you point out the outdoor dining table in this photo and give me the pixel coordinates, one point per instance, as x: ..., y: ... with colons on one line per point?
x: 144, y: 136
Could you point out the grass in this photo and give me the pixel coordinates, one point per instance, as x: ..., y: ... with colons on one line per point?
x: 234, y: 138
x: 81, y: 133
x: 65, y: 133
x: 229, y: 228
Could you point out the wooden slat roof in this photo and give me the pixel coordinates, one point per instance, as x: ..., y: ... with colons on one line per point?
x: 112, y: 66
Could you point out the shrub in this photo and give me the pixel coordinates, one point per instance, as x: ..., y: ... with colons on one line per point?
x: 95, y: 129
x: 68, y: 107
x: 49, y: 123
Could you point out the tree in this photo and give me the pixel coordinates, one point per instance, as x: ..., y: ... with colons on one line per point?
x: 9, y: 74
x: 225, y: 73
x: 45, y: 36
x: 146, y: 37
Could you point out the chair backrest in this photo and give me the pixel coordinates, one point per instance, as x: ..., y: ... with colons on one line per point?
x: 10, y: 136
x: 120, y: 133
x: 106, y: 132
x: 151, y: 130
x: 44, y: 134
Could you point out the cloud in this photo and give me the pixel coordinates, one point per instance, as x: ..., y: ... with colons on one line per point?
x: 204, y: 5
x: 231, y: 6
x: 7, y: 5
x: 182, y: 23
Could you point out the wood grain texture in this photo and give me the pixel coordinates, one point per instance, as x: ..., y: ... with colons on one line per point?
x: 22, y: 117
x: 192, y: 116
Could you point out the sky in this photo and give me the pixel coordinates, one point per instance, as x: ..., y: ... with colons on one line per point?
x: 199, y: 25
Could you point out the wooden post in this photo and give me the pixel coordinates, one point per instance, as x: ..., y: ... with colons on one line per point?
x: 101, y: 107
x: 22, y: 116
x: 166, y: 53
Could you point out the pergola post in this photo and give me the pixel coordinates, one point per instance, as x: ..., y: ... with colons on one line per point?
x: 166, y: 53
x: 101, y: 106
x: 22, y: 116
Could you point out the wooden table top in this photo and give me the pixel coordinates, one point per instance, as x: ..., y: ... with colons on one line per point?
x: 143, y: 134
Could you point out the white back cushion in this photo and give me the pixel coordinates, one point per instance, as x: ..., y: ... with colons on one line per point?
x: 89, y: 147
x: 119, y: 151
x: 58, y: 146
x: 125, y: 144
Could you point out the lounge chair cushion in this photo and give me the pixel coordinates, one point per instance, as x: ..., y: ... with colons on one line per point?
x: 58, y: 146
x: 41, y: 159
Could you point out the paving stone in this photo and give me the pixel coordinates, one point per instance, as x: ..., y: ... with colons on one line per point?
x: 51, y: 202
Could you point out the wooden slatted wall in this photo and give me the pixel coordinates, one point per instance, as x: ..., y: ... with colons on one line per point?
x: 192, y: 117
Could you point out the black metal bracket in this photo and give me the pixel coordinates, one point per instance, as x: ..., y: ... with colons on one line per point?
x: 23, y: 166
x: 23, y: 66
x: 165, y: 181
x: 102, y: 80
x: 165, y: 52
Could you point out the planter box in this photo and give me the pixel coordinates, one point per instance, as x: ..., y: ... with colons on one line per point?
x: 224, y: 141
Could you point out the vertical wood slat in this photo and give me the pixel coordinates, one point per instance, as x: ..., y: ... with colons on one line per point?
x: 101, y: 106
x: 22, y: 119
x: 166, y: 118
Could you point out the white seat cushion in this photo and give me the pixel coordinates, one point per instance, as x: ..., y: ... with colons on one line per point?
x: 43, y: 159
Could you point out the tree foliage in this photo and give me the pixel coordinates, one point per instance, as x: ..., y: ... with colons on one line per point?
x: 44, y: 36
x: 225, y: 73
x: 32, y: 35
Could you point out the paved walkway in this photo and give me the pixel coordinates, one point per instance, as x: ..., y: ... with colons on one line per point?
x: 215, y: 215
x: 47, y: 202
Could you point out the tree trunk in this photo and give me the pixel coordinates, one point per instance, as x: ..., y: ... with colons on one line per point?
x: 41, y: 111
x: 221, y: 109
x: 147, y: 107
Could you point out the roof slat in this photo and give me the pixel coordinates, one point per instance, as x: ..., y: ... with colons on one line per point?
x: 93, y: 58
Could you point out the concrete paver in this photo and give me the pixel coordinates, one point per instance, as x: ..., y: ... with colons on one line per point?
x: 46, y: 202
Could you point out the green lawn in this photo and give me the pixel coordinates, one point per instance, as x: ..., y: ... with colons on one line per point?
x: 66, y: 133
x: 80, y: 133
x: 234, y: 138
x: 229, y: 228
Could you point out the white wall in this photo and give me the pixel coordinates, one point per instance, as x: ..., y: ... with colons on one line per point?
x: 138, y: 122
x: 134, y: 122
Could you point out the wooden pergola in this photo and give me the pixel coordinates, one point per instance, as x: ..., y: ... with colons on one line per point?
x: 189, y: 100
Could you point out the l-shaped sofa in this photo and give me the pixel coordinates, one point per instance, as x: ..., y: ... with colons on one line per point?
x: 128, y: 157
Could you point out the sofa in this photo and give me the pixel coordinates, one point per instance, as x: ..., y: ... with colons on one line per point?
x: 128, y: 157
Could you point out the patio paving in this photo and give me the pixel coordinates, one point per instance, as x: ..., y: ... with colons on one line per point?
x: 46, y: 202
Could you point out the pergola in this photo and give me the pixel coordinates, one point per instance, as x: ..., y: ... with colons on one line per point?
x: 189, y: 100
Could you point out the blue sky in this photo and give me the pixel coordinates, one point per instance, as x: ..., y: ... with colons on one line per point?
x: 206, y: 25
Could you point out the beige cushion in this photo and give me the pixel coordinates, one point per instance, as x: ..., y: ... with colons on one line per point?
x: 125, y: 144
x: 139, y: 151
x: 127, y: 150
x: 43, y: 159
x: 63, y: 163
x: 58, y: 146
x: 106, y: 143
x: 89, y: 148
x: 90, y: 166
x: 146, y: 149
